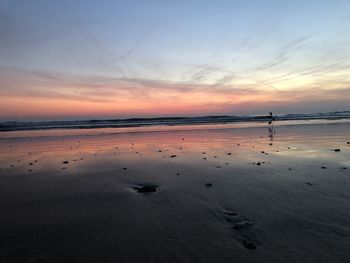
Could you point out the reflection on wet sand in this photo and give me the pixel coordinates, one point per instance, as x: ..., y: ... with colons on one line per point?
x: 204, y: 195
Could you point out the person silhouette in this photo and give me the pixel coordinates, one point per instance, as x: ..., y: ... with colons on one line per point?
x: 270, y: 126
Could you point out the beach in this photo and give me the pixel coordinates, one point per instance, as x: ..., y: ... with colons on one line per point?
x: 214, y: 193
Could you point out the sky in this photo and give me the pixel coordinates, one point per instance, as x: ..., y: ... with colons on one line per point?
x: 100, y: 59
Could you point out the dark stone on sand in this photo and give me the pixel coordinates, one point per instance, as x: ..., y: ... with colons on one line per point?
x: 324, y: 167
x: 262, y: 152
x: 204, y: 158
x: 64, y: 168
x: 308, y: 183
x: 337, y: 150
x: 290, y: 169
x: 258, y: 163
x: 208, y: 184
x: 29, y: 171
x: 147, y: 189
x: 177, y: 173
x: 215, y: 156
x: 343, y: 168
x: 248, y: 244
x: 270, y: 144
x: 347, y: 142
x: 65, y: 162
x: 229, y: 153
x: 30, y: 163
x: 217, y: 166
x: 173, y: 156
x: 124, y: 168
x: 203, y: 152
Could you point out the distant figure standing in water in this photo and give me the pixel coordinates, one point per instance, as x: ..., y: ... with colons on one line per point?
x: 270, y: 127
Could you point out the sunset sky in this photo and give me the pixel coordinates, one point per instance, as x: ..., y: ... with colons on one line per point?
x: 117, y: 59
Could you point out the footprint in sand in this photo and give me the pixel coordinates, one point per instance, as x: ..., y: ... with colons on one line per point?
x: 242, y: 228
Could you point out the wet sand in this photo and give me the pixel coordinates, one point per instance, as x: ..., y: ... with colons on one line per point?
x: 207, y: 195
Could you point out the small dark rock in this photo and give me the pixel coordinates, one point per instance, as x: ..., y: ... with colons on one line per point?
x: 258, y: 163
x: 147, y: 189
x: 308, y: 183
x: 208, y: 184
x: 337, y: 150
x: 124, y: 168
x: 229, y: 153
x: 324, y: 167
x: 65, y: 162
x: 173, y: 156
x: 248, y: 244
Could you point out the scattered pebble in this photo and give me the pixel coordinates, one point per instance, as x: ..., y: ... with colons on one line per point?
x: 248, y: 244
x: 65, y: 162
x: 208, y: 184
x: 337, y: 150
x: 147, y: 189
x: 258, y: 163
x: 173, y: 156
